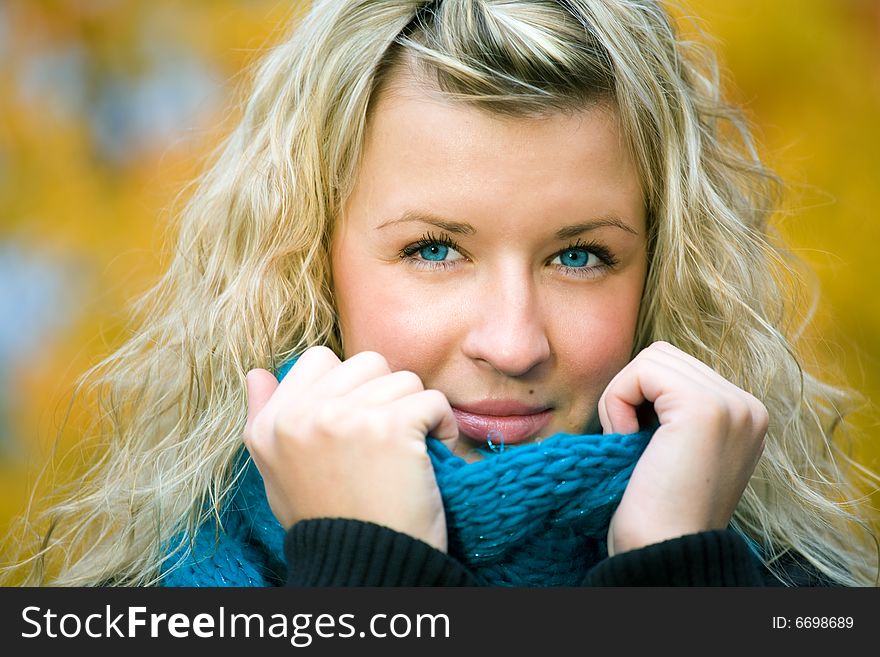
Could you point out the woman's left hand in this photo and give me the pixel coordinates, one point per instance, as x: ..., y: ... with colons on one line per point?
x: 694, y: 470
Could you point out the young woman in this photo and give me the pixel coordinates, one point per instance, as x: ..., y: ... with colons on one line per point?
x: 518, y: 248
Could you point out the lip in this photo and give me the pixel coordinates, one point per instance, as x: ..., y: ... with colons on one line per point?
x: 501, y: 421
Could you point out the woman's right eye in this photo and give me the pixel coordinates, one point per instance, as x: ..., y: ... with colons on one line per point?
x: 432, y: 251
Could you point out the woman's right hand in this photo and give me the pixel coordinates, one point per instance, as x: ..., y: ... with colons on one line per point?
x: 347, y: 440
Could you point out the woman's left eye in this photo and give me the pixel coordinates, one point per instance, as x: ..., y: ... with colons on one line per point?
x: 577, y: 258
x: 588, y: 260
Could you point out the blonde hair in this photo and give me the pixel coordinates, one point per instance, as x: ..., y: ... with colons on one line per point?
x: 249, y: 283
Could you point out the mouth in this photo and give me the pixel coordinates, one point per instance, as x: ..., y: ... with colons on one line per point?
x: 502, y: 422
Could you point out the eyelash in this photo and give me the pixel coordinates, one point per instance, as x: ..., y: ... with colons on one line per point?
x: 608, y: 260
x: 408, y: 252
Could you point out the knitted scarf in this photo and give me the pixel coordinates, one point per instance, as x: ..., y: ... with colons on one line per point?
x: 530, y: 515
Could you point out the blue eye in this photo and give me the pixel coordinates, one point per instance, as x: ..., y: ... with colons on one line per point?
x: 434, y: 252
x: 584, y: 260
x: 577, y: 258
x: 574, y: 257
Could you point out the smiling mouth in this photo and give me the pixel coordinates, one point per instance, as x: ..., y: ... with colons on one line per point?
x: 509, y: 429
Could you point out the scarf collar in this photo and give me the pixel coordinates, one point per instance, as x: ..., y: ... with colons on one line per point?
x: 531, y: 515
x: 537, y: 514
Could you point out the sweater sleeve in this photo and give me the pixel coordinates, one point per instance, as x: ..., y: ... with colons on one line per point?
x: 344, y: 552
x: 712, y: 558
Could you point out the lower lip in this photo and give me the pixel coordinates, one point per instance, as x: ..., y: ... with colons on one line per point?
x: 508, y: 429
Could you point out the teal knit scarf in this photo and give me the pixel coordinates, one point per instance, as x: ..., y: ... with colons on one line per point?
x: 531, y: 515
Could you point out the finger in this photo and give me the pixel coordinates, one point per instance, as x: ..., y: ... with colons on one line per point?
x: 674, y: 372
x: 617, y: 405
x: 351, y: 374
x: 675, y: 352
x: 314, y: 363
x: 684, y: 359
x: 704, y: 378
x: 607, y: 427
x: 386, y: 389
x: 644, y: 379
x: 260, y: 386
x: 428, y: 412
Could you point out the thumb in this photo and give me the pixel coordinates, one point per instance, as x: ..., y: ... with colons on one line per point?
x: 619, y: 401
x: 261, y: 385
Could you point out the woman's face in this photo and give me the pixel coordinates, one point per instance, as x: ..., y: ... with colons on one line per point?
x: 502, y: 260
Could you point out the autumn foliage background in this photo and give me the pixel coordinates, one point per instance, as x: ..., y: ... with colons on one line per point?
x: 108, y: 108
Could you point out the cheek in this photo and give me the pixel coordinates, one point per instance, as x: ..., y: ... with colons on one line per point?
x: 592, y: 350
x: 592, y: 354
x: 610, y: 347
x: 381, y: 312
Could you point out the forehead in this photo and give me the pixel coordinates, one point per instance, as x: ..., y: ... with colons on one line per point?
x: 407, y: 100
x: 423, y: 148
x: 407, y: 79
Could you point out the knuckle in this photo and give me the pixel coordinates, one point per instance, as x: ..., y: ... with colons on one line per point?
x: 318, y: 353
x: 652, y: 350
x: 257, y: 429
x: 411, y: 380
x: 662, y: 345
x: 374, y: 360
x: 281, y: 426
x: 377, y: 426
x: 247, y: 435
x: 739, y: 412
x: 713, y: 410
x: 436, y: 397
x: 761, y: 418
x: 292, y: 426
x: 258, y: 435
x: 327, y: 415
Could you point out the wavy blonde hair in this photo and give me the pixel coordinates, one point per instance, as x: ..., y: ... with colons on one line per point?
x: 249, y: 282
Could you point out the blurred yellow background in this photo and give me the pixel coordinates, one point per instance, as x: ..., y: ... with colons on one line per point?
x: 108, y: 108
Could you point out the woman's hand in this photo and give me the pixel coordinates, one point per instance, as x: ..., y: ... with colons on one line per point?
x: 347, y: 440
x: 693, y: 472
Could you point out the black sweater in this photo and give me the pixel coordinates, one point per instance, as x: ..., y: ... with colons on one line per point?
x: 342, y: 552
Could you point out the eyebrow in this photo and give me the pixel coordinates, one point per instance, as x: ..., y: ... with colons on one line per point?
x: 576, y: 229
x: 456, y: 227
x: 461, y: 228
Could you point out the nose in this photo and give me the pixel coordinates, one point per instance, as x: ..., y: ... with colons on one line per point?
x: 507, y: 329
